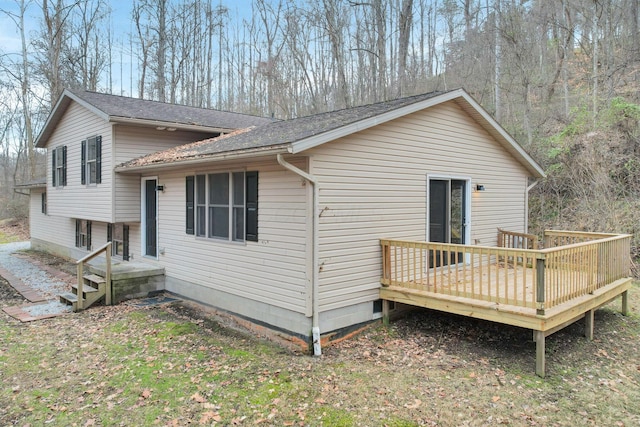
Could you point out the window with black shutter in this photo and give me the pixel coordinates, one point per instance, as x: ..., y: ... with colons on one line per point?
x: 83, y: 234
x: 59, y: 166
x: 190, y: 212
x: 251, y: 206
x: 43, y: 202
x: 91, y: 160
x: 118, y: 235
x: 223, y: 206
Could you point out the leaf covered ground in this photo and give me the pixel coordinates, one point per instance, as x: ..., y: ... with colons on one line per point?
x: 175, y: 366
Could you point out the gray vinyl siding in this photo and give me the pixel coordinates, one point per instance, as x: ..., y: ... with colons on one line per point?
x: 373, y: 185
x: 273, y: 270
x: 134, y: 142
x: 75, y: 200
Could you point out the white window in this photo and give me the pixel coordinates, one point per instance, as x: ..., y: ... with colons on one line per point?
x: 59, y: 166
x: 221, y: 206
x: 83, y: 234
x: 91, y: 160
x: 118, y: 235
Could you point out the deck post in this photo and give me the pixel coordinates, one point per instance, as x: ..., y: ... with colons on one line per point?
x: 108, y: 292
x: 588, y: 324
x: 80, y: 279
x: 540, y: 353
x: 625, y: 303
x: 386, y: 263
x: 385, y: 312
x: 540, y: 294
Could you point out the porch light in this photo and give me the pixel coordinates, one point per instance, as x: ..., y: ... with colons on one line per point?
x: 478, y: 187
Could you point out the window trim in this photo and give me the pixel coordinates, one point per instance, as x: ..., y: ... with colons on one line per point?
x: 59, y: 166
x: 125, y: 240
x: 198, y: 210
x: 87, y: 240
x: 86, y: 162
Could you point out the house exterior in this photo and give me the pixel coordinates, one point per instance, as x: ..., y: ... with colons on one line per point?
x: 276, y: 222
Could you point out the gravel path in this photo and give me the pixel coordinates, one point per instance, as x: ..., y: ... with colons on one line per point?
x: 34, y: 278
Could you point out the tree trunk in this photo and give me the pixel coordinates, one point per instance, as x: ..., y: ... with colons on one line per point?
x: 404, y: 24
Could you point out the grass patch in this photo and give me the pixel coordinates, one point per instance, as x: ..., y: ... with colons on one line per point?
x: 114, y: 366
x: 8, y: 238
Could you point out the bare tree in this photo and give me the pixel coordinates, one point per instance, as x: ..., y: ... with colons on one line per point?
x: 405, y: 23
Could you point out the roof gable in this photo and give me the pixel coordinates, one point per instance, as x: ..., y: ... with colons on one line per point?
x: 301, y: 134
x: 120, y: 109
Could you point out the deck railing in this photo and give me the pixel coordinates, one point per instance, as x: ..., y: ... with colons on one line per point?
x: 528, y: 278
x: 554, y: 238
x: 511, y: 239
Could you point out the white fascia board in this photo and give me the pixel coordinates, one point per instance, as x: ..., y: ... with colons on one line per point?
x: 316, y: 140
x: 508, y: 138
x: 98, y: 112
x: 63, y: 102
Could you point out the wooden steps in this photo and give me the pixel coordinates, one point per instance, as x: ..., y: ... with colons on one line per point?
x: 93, y: 290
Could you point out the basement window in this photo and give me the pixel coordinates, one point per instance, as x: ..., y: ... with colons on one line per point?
x: 83, y: 234
x: 118, y: 235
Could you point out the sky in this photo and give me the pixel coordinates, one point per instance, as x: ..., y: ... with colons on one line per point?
x: 121, y: 21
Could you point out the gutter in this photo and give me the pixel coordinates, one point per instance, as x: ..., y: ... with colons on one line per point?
x: 526, y: 205
x: 227, y: 155
x: 315, y: 325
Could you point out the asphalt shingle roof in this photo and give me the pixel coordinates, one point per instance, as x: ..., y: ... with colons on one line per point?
x: 275, y: 134
x: 132, y: 108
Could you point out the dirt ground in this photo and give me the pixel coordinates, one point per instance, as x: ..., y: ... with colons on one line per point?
x: 174, y: 365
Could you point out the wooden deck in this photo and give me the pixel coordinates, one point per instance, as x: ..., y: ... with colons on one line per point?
x: 540, y: 289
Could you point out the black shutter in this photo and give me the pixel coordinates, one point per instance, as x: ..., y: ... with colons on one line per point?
x: 64, y: 166
x: 251, y: 206
x: 190, y: 218
x: 77, y: 233
x: 98, y: 159
x: 88, y: 235
x: 125, y: 242
x: 53, y: 167
x: 43, y: 202
x: 83, y: 162
x: 109, y: 232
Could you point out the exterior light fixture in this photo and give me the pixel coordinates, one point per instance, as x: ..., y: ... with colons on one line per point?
x: 479, y: 187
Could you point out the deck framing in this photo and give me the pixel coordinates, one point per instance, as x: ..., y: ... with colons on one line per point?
x: 542, y: 290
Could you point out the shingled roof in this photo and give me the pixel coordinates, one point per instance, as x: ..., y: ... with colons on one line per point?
x: 300, y: 134
x: 121, y: 109
x: 276, y: 135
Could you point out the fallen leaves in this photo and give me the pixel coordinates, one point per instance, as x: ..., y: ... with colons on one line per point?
x: 422, y: 370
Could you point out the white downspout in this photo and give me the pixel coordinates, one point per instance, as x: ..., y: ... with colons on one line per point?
x: 315, y: 325
x: 526, y: 205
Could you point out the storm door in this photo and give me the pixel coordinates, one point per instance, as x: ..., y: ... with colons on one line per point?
x: 447, y: 218
x: 150, y: 217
